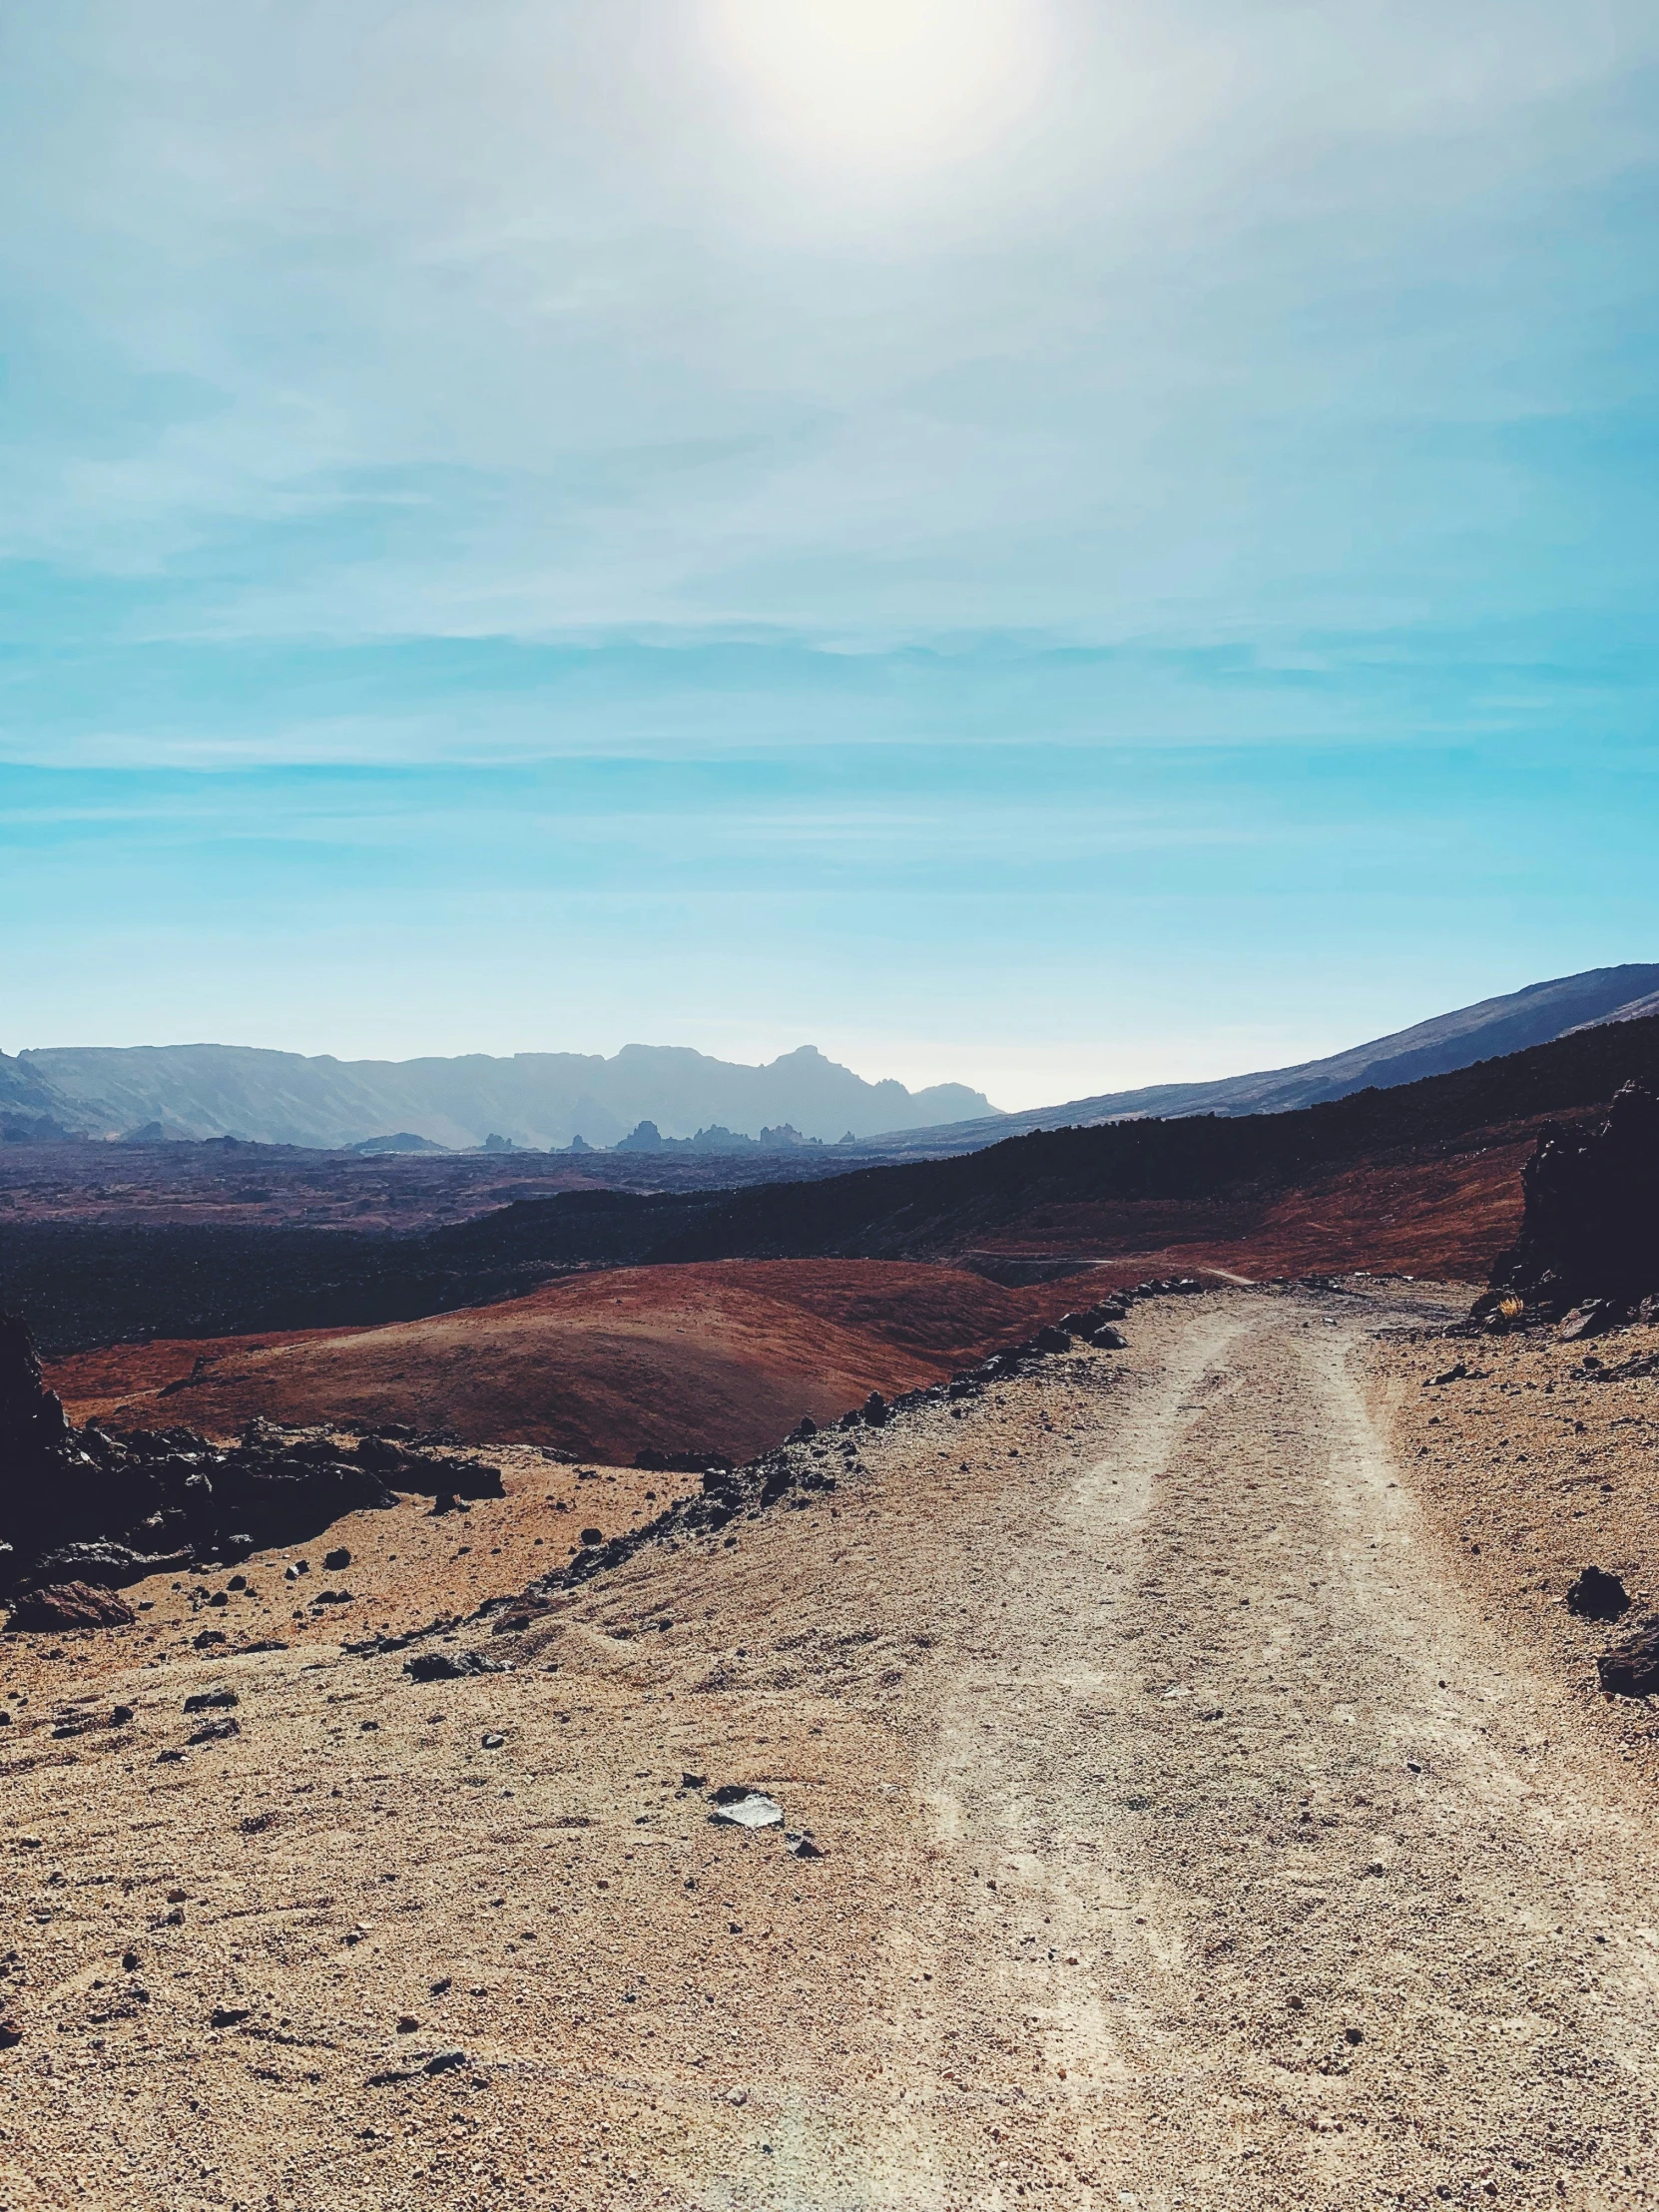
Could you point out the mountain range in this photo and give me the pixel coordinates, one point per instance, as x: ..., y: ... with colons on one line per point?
x: 542, y: 1099
x: 647, y: 1094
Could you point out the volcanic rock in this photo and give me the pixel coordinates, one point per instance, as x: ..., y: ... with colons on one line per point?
x: 71, y: 1605
x: 1590, y: 1229
x: 1597, y: 1596
x: 1632, y: 1669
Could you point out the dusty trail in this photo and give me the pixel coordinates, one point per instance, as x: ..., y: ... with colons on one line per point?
x: 1262, y: 1880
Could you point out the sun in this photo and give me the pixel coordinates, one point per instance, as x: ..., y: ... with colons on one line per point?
x: 884, y: 84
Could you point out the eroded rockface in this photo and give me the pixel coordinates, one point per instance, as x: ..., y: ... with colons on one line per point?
x: 82, y: 1507
x: 1590, y: 1230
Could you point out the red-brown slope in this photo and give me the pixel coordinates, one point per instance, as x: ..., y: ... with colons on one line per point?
x: 726, y: 1355
x: 1445, y: 1217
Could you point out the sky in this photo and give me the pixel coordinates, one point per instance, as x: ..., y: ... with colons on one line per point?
x: 1040, y: 544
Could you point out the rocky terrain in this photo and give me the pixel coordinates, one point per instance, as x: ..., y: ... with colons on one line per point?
x: 1120, y: 1781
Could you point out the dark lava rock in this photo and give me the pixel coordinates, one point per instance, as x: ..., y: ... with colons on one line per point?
x: 1598, y: 1596
x: 333, y: 1560
x: 230, y: 2015
x: 875, y: 1410
x: 1632, y: 1669
x: 449, y: 1666
x: 213, y: 1731
x: 1108, y: 1339
x: 108, y: 1563
x: 212, y: 1701
x: 10, y: 2034
x: 593, y: 1535
x: 1590, y: 1225
x: 71, y: 1605
x: 1592, y: 1319
x: 428, y: 1472
x: 1052, y: 1339
x: 88, y: 1507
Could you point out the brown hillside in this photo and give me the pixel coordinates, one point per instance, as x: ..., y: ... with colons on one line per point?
x: 725, y: 1357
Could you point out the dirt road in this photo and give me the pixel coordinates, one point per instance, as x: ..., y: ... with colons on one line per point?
x: 1268, y: 1870
x: 1191, y: 1840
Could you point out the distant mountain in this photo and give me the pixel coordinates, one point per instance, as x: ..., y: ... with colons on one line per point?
x: 539, y: 1099
x: 30, y: 1109
x: 1537, y: 1016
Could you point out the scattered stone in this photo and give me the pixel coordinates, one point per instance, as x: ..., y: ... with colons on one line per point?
x: 1107, y: 1338
x: 593, y: 1535
x: 445, y: 2061
x: 215, y: 1731
x: 492, y: 1742
x: 449, y: 1666
x: 1632, y: 1669
x: 71, y: 1605
x: 207, y: 1638
x: 1597, y: 1596
x: 333, y: 1560
x: 1052, y: 1339
x: 741, y: 1808
x: 803, y: 1847
x: 406, y: 2023
x: 693, y: 1780
x: 875, y: 1410
x: 212, y: 1701
x: 10, y: 2034
x: 230, y: 2015
x: 168, y: 1758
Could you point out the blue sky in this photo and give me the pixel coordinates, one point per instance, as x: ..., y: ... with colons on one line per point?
x: 1048, y: 545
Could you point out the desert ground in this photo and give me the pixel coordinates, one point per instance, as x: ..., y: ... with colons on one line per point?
x: 1178, y: 1810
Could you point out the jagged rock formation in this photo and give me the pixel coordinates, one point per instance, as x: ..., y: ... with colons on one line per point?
x: 83, y: 1509
x: 1590, y: 1231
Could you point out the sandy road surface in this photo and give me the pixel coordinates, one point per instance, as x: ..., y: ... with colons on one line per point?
x: 1191, y: 1840
x: 1264, y: 1857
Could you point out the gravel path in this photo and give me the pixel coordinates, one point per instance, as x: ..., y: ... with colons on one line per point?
x: 1268, y: 1877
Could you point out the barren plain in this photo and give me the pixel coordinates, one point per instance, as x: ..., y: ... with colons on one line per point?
x: 1195, y: 1818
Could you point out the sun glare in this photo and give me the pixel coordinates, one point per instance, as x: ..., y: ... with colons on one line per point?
x: 884, y: 84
